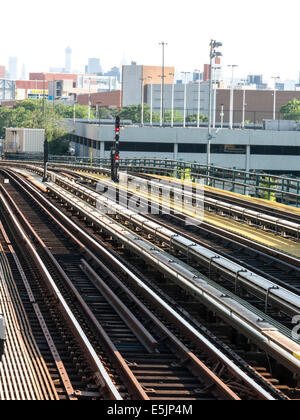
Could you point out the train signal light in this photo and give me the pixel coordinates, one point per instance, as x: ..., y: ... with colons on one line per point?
x: 118, y: 124
x: 115, y: 152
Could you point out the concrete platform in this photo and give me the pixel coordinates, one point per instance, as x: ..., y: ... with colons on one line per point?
x: 279, y: 206
x: 33, y: 178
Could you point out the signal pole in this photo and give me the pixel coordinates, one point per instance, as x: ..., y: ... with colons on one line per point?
x: 115, y: 152
x: 46, y: 159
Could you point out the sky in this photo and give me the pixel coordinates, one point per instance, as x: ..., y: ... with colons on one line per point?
x: 260, y: 36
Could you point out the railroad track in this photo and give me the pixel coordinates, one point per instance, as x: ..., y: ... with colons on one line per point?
x: 202, y: 382
x: 271, y: 379
x: 53, y: 361
x: 272, y: 219
x: 91, y: 200
x: 189, y: 248
x: 279, y: 267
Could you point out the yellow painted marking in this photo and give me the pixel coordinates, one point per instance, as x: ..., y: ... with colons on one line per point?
x: 265, y: 238
x: 261, y: 201
x: 297, y: 355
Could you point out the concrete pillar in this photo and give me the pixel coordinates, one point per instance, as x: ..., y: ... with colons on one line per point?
x: 248, y: 157
x: 175, y: 151
x: 102, y: 149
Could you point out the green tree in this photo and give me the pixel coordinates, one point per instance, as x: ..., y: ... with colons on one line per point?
x: 177, y: 116
x: 134, y: 112
x: 5, y: 118
x: 67, y: 111
x: 291, y: 111
x: 194, y: 118
x: 31, y: 114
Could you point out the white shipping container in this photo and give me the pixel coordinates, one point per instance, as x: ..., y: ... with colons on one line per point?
x: 24, y: 140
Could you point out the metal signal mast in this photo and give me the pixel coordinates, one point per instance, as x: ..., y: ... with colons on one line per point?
x: 115, y: 152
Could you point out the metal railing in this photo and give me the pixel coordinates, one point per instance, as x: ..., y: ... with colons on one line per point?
x: 284, y: 189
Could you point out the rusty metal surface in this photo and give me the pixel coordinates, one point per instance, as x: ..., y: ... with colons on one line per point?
x: 23, y: 375
x: 201, y: 371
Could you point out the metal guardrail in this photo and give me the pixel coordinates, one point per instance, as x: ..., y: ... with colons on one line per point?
x: 271, y: 187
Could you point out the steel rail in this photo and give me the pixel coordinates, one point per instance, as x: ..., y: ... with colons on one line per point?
x: 290, y: 262
x: 280, y: 296
x: 142, y: 286
x: 196, y: 365
x: 100, y: 372
x: 149, y: 342
x: 34, y: 369
x: 275, y: 224
x: 256, y: 218
x: 228, y: 308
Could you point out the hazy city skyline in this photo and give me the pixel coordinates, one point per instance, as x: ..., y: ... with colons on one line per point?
x: 257, y: 37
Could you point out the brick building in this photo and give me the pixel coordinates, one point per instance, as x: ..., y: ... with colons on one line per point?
x: 259, y: 104
x: 102, y: 99
x: 50, y: 77
x: 31, y: 89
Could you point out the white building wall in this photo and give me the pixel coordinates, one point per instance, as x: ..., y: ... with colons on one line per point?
x: 177, y: 136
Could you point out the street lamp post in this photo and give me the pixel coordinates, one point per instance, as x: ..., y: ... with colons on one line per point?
x: 89, y: 100
x: 244, y: 106
x: 215, y: 96
x: 172, y: 100
x: 222, y: 116
x: 214, y: 45
x: 98, y: 108
x: 162, y: 112
x: 233, y: 66
x: 151, y: 101
x: 274, y: 102
x: 142, y: 110
x: 199, y: 97
x: 184, y: 100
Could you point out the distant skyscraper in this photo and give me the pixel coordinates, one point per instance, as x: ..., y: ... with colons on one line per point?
x: 289, y: 84
x: 13, y: 68
x: 94, y: 66
x: 23, y: 73
x: 115, y: 71
x: 255, y: 79
x: 68, y: 60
